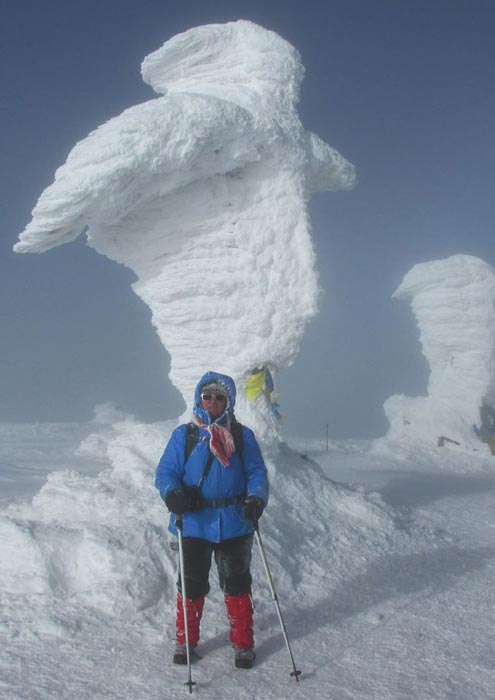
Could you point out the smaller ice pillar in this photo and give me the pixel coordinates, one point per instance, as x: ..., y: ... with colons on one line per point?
x: 453, y: 301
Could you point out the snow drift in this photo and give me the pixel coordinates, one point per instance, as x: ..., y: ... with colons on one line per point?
x: 203, y: 193
x: 97, y: 548
x: 392, y: 600
x: 453, y: 301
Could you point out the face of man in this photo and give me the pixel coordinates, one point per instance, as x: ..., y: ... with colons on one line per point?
x: 214, y: 402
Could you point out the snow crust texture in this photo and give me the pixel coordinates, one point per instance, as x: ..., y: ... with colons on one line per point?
x: 386, y: 586
x: 90, y: 555
x: 453, y: 301
x: 203, y: 193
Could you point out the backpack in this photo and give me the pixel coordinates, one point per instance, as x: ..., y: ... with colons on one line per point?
x: 192, y: 437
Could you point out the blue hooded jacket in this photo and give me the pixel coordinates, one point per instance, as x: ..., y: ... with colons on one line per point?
x: 246, y: 474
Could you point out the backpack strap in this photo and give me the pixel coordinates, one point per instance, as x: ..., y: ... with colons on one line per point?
x: 206, y: 470
x: 236, y: 430
x: 192, y: 437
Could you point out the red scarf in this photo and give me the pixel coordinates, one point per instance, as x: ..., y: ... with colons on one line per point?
x: 221, y: 441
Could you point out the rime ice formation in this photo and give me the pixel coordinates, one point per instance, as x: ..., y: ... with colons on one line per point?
x: 203, y: 193
x: 453, y: 301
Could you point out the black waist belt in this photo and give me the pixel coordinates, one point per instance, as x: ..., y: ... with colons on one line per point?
x: 222, y: 502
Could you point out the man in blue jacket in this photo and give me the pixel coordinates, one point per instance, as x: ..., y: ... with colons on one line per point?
x: 212, y: 475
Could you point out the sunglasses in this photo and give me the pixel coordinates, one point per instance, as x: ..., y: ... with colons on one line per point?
x: 209, y: 397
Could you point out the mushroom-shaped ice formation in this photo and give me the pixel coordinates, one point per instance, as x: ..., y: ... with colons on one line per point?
x: 453, y: 301
x: 203, y: 193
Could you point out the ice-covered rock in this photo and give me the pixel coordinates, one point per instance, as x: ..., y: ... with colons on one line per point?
x: 453, y: 301
x: 203, y: 193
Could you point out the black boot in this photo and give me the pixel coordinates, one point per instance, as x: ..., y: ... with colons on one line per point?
x: 244, y: 658
x: 180, y: 654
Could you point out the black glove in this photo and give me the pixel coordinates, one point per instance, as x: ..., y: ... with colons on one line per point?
x: 253, y: 508
x: 185, y: 500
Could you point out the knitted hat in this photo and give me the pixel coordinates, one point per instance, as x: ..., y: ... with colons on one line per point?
x: 214, y: 388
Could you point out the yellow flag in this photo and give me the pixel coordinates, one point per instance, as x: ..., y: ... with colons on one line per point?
x: 255, y: 385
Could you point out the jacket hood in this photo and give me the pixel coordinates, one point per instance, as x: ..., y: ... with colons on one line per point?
x: 228, y: 384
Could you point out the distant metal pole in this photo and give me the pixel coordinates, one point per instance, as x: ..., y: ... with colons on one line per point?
x: 327, y: 437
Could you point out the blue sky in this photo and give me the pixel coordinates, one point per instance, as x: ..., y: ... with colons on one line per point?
x: 404, y: 89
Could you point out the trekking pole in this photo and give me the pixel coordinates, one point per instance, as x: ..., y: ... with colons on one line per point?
x: 189, y: 681
x: 295, y: 672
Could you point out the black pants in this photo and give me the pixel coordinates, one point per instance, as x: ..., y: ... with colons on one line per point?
x: 233, y: 560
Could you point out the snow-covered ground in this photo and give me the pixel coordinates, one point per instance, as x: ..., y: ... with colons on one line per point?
x: 384, y: 570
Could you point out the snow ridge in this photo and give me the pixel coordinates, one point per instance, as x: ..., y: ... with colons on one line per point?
x: 99, y: 544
